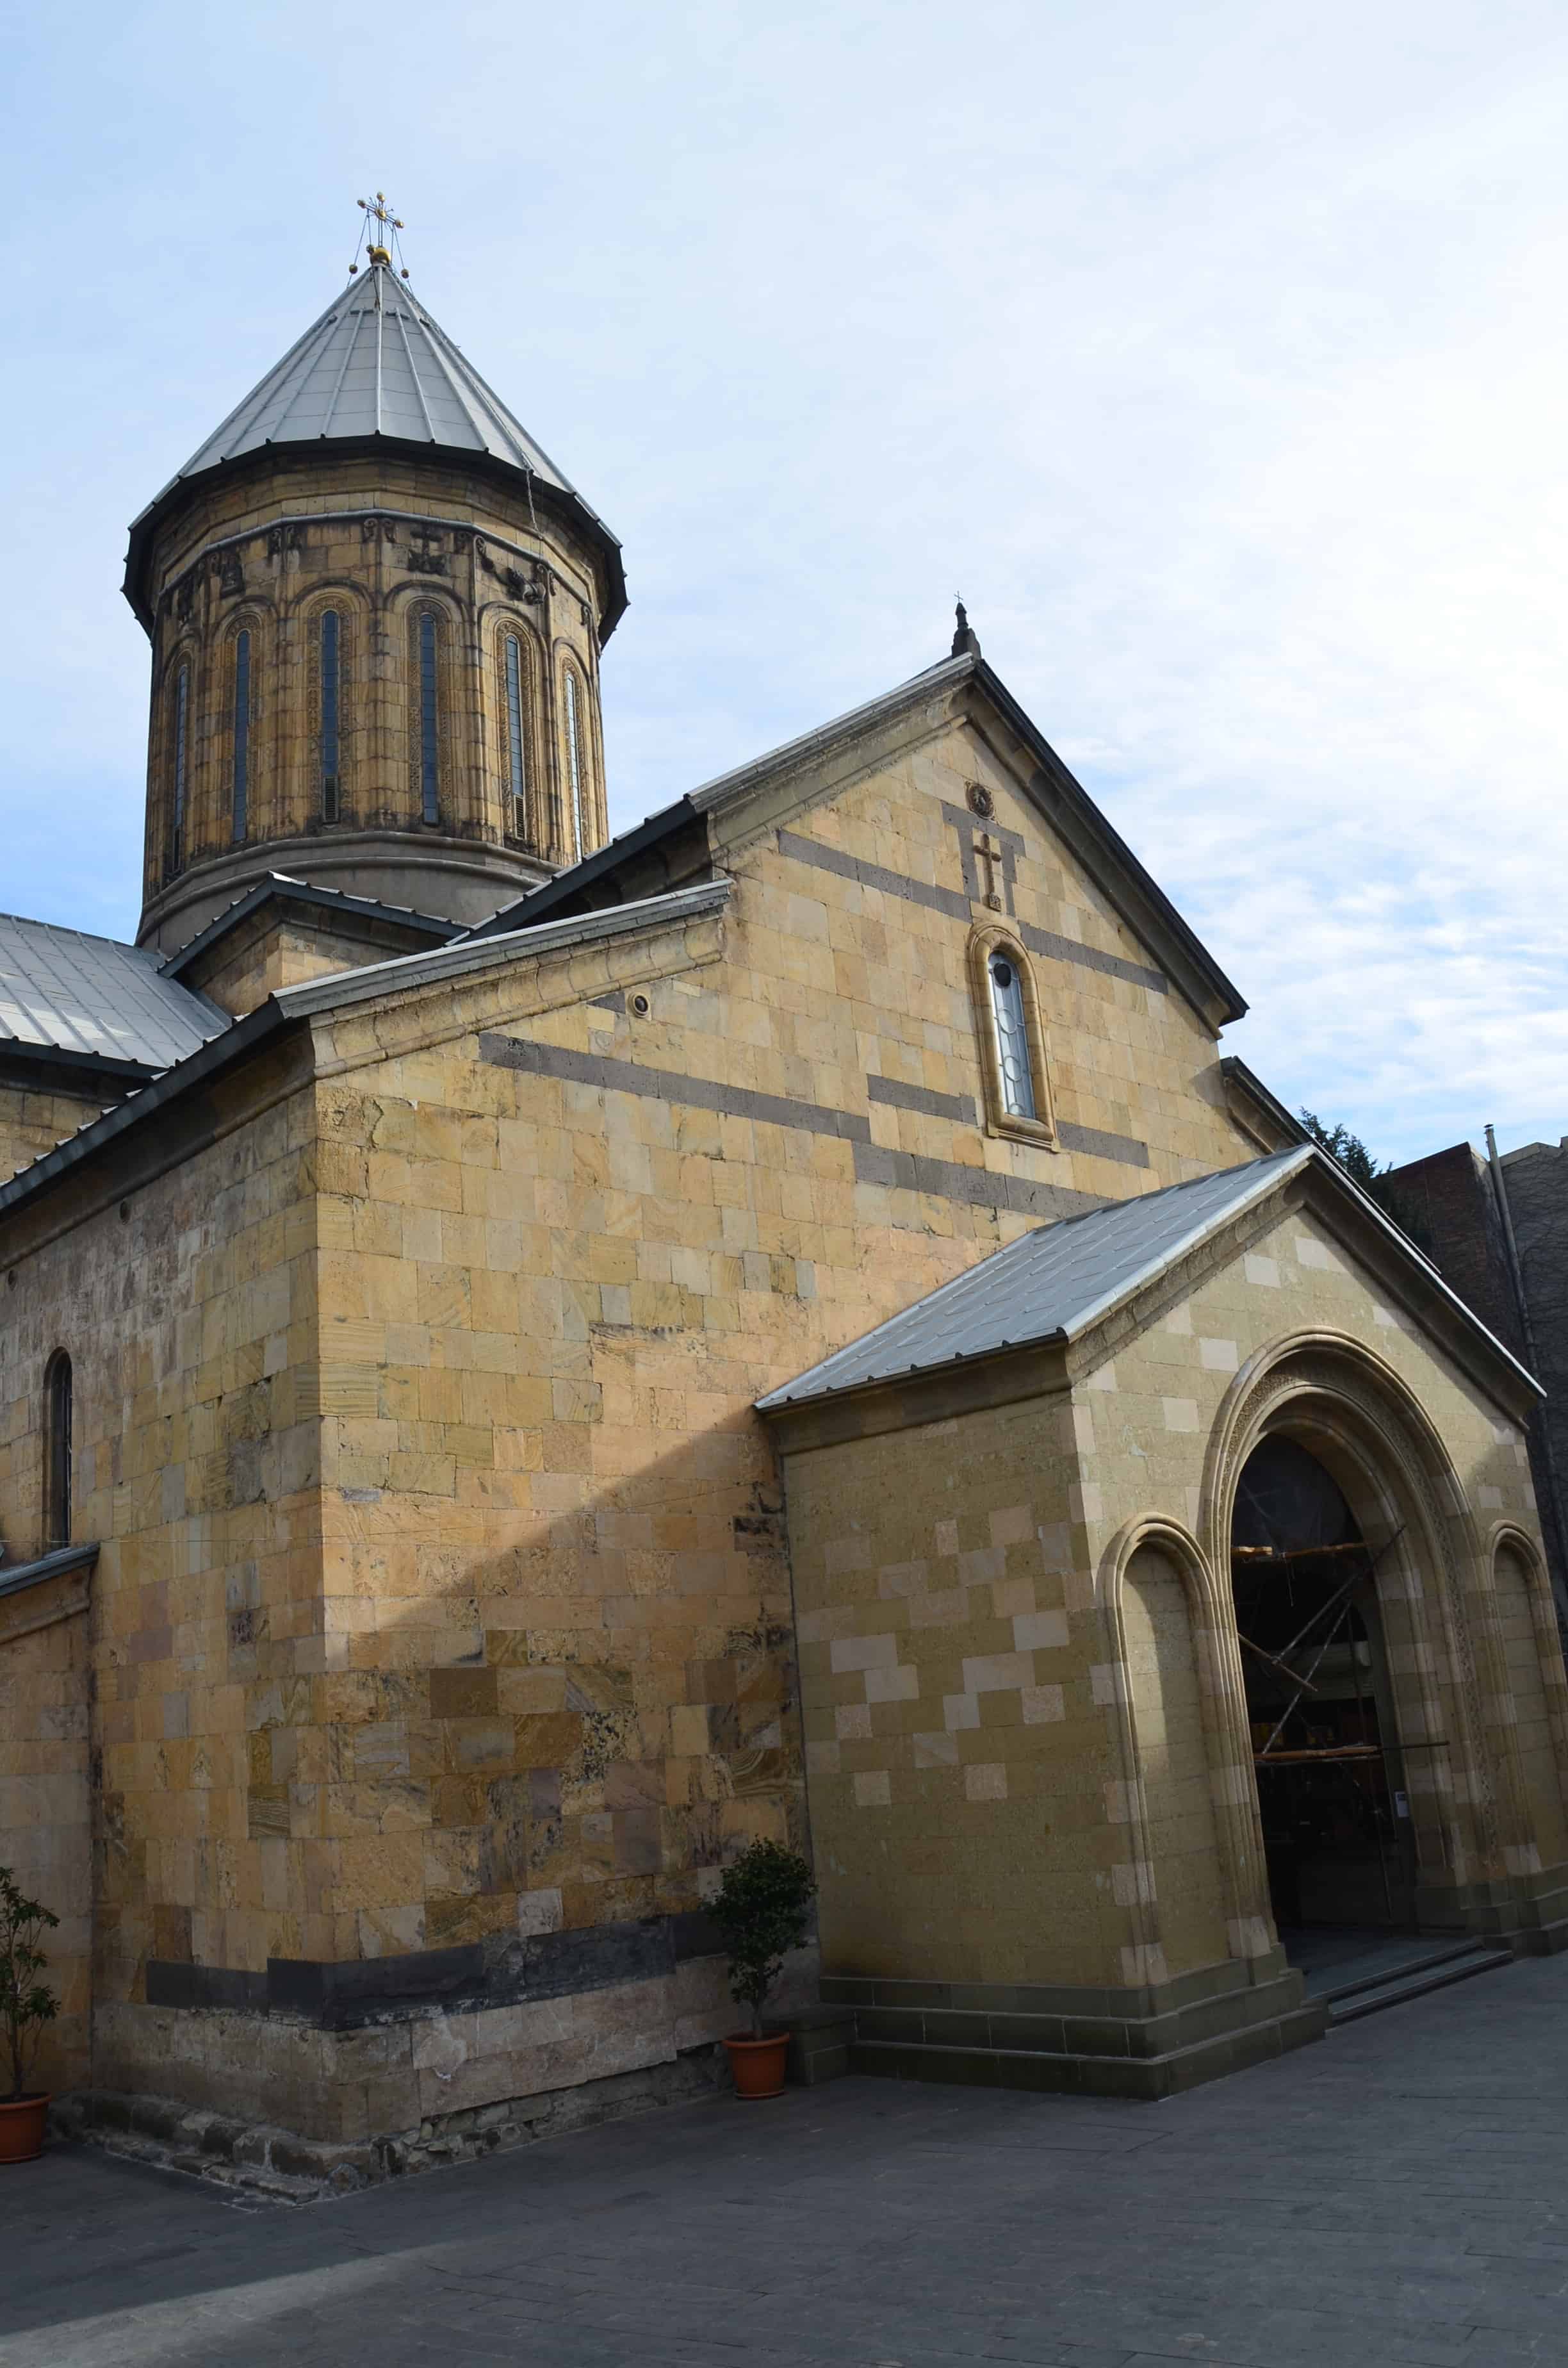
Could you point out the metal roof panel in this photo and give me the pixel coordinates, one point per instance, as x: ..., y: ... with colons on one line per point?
x: 62, y: 990
x: 375, y: 363
x: 1050, y: 1284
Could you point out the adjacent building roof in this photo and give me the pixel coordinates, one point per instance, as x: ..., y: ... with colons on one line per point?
x: 375, y: 363
x: 1054, y: 1284
x: 84, y: 998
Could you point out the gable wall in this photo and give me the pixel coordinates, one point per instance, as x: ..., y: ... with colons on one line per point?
x: 1146, y: 1416
x: 868, y: 903
x: 270, y: 955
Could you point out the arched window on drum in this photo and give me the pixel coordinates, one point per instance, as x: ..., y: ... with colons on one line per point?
x: 579, y: 825
x: 239, y: 728
x: 329, y: 713
x: 179, y: 762
x: 515, y: 721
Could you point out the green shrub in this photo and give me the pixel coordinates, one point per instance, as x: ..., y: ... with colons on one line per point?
x: 26, y: 2003
x: 763, y: 1908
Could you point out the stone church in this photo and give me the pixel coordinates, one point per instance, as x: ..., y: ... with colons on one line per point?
x: 530, y: 1359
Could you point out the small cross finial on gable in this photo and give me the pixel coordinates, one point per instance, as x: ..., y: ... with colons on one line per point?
x: 964, y: 638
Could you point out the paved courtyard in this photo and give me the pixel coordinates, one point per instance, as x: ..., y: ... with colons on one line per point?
x: 1398, y: 2195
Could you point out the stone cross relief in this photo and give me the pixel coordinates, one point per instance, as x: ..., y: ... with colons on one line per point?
x: 988, y: 852
x: 989, y: 855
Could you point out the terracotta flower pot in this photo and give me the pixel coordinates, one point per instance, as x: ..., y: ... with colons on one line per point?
x: 758, y: 2063
x: 21, y: 2127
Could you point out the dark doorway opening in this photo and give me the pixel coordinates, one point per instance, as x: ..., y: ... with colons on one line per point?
x: 1331, y: 1787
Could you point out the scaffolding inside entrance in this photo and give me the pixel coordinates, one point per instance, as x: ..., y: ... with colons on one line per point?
x: 1334, y: 1788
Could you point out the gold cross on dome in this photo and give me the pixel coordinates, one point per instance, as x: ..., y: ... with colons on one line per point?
x: 382, y: 226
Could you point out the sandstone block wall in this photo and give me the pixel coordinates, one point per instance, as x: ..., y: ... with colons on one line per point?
x: 45, y: 1802
x: 445, y: 1603
x: 957, y: 1759
x: 267, y: 953
x: 32, y: 1122
x: 190, y: 1322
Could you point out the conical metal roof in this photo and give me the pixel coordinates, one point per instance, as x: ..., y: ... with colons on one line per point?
x: 375, y: 363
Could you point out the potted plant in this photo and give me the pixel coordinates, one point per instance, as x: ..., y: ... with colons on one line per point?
x: 26, y: 2005
x: 763, y: 1909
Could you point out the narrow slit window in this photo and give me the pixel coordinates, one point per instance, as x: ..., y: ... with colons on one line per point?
x: 331, y: 784
x: 57, y: 1450
x: 1012, y: 1038
x: 429, y: 721
x: 516, y: 761
x: 574, y: 761
x: 182, y: 734
x: 241, y: 734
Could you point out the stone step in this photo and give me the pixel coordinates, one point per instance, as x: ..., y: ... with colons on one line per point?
x: 1063, y: 2073
x: 1413, y: 1982
x: 1418, y: 1961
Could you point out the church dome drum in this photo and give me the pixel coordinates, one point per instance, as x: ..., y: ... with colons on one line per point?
x: 375, y: 609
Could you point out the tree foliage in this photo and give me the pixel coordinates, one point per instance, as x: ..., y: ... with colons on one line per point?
x: 26, y: 2003
x: 1362, y: 1168
x: 763, y: 1909
x: 1349, y: 1149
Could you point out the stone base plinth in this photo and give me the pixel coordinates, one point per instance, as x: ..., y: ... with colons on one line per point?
x: 1147, y: 2043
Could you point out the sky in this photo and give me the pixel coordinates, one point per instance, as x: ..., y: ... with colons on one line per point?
x: 1219, y: 355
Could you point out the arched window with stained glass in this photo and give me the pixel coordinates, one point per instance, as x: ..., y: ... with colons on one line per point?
x: 1012, y: 1038
x: 515, y: 720
x: 328, y: 657
x: 427, y: 721
x: 240, y: 737
x: 1014, y: 1069
x: 179, y: 760
x: 577, y: 789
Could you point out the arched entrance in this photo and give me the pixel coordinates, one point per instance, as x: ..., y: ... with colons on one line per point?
x: 1334, y: 1798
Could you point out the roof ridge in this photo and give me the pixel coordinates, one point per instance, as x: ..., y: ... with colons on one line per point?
x: 711, y: 791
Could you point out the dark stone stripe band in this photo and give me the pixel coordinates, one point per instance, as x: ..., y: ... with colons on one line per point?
x: 669, y: 1086
x: 1093, y: 1140
x: 958, y: 908
x: 499, y: 1972
x: 944, y: 1180
x: 873, y: 875
x: 1100, y: 1145
x: 898, y: 1096
x: 1044, y: 941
